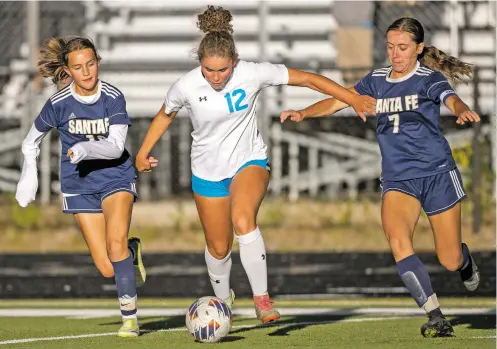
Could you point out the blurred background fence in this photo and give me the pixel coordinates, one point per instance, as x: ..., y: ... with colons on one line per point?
x: 146, y: 45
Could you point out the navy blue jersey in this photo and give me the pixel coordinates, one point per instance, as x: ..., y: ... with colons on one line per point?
x: 77, y: 122
x: 408, y: 122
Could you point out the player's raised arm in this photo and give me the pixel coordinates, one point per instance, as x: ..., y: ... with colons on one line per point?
x: 323, y: 108
x: 361, y: 104
x: 159, y: 125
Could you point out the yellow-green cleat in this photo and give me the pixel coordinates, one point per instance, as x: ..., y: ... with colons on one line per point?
x: 129, y: 328
x: 140, y: 272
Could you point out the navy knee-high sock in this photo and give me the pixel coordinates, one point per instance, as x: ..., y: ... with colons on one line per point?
x: 124, y: 274
x: 417, y: 280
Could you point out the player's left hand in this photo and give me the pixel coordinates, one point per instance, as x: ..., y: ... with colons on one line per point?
x: 364, y: 104
x: 291, y: 114
x: 467, y: 116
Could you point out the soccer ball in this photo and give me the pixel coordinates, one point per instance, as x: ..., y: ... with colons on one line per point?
x: 209, y: 319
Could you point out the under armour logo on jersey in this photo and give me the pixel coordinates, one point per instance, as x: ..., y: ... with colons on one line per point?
x: 204, y: 98
x: 263, y: 257
x: 72, y: 116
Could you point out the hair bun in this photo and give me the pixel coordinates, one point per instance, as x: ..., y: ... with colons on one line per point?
x: 215, y: 19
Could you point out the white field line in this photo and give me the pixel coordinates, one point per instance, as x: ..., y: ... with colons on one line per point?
x: 178, y: 329
x: 99, y: 313
x: 244, y: 312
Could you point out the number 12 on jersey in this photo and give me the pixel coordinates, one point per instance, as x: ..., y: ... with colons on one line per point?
x: 396, y: 121
x: 241, y: 94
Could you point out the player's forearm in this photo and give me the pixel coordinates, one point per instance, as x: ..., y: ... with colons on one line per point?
x: 109, y: 148
x: 157, y: 128
x: 323, y: 108
x: 321, y: 84
x: 456, y: 105
x: 93, y: 150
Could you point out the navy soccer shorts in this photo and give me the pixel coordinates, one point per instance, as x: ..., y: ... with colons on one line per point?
x: 92, y: 203
x: 437, y: 193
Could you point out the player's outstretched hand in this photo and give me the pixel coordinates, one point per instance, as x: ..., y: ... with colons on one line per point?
x: 293, y: 115
x: 146, y: 164
x: 467, y: 116
x: 364, y: 104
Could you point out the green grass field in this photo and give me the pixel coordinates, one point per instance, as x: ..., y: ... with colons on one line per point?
x: 365, y: 323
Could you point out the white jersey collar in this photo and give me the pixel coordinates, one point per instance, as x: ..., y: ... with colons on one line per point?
x: 405, y: 77
x: 87, y: 99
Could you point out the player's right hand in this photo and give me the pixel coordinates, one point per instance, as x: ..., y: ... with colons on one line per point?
x: 293, y: 115
x: 146, y: 164
x: 364, y: 104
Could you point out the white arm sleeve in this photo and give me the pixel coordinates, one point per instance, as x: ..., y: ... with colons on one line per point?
x: 28, y: 183
x: 107, y: 149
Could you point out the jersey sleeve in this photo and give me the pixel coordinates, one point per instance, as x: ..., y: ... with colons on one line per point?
x: 269, y: 74
x: 365, y: 86
x: 47, y: 119
x: 437, y: 88
x: 118, y: 114
x: 174, y: 99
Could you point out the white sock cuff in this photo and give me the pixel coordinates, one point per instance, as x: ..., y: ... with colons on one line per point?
x: 215, y: 260
x: 249, y: 238
x: 431, y: 303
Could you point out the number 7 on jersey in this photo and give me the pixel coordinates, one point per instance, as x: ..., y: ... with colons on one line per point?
x: 396, y: 121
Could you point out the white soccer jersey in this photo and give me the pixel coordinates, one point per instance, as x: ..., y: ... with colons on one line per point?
x: 225, y: 134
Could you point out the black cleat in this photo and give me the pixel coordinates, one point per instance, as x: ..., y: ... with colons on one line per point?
x: 437, y: 326
x: 470, y: 275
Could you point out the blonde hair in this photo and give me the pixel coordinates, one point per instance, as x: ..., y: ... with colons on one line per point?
x: 218, y: 40
x: 452, y: 67
x: 54, y: 56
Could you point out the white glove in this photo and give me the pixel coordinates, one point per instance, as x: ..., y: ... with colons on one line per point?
x: 28, y: 184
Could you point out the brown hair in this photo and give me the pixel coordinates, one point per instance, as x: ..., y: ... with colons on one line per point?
x: 452, y: 67
x: 218, y: 40
x: 55, y: 52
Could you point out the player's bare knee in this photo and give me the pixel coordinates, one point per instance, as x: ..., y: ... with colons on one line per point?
x: 243, y: 223
x: 401, y: 247
x: 117, y: 248
x: 219, y: 250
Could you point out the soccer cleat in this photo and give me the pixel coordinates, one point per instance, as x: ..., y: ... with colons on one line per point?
x: 264, y: 309
x: 129, y: 328
x: 437, y: 326
x: 470, y: 275
x: 140, y: 272
x: 230, y: 300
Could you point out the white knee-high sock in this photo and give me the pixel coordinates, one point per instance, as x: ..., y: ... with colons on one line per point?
x: 253, y: 257
x: 219, y: 273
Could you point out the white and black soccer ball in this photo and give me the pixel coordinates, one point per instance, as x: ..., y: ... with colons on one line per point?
x: 209, y: 319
